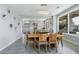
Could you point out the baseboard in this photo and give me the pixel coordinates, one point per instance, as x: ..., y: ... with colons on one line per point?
x: 9, y: 44
x: 72, y: 42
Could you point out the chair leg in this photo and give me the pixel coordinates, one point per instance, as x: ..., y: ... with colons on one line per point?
x: 46, y: 48
x: 58, y: 41
x: 56, y: 50
x: 26, y: 43
x: 62, y: 43
x: 39, y: 49
x: 56, y: 45
x: 48, y: 45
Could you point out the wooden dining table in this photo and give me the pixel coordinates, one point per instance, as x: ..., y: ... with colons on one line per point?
x: 35, y: 36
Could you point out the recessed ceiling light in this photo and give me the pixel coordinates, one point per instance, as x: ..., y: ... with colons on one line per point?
x: 43, y: 4
x: 43, y: 12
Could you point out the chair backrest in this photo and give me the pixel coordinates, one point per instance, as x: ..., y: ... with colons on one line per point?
x: 59, y: 37
x: 31, y: 33
x: 52, y: 36
x: 43, y: 37
x: 60, y: 33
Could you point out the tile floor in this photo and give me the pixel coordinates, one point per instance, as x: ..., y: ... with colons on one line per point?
x: 19, y: 48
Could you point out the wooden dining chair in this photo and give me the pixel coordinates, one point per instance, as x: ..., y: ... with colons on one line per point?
x: 29, y: 39
x: 60, y: 33
x: 59, y: 38
x: 52, y: 40
x: 42, y: 41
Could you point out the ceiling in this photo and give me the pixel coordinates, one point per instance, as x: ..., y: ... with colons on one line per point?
x: 74, y: 14
x: 55, y: 9
x: 32, y: 11
x: 29, y: 10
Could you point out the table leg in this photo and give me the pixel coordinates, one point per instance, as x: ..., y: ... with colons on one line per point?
x: 34, y: 43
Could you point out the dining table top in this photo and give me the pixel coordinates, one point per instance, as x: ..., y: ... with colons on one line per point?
x: 37, y: 35
x: 32, y: 35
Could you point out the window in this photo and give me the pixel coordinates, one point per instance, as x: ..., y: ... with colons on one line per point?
x: 63, y: 24
x: 74, y: 22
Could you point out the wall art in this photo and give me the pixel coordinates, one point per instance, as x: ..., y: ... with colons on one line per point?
x: 10, y: 25
x: 3, y: 15
x: 18, y: 23
x: 9, y: 11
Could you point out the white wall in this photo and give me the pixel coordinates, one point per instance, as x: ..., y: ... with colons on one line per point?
x: 9, y: 35
x: 54, y: 24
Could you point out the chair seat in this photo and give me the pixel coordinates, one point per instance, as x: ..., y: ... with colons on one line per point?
x: 41, y: 42
x: 52, y: 42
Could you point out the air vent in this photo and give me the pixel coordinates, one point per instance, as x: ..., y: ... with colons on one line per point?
x: 43, y: 4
